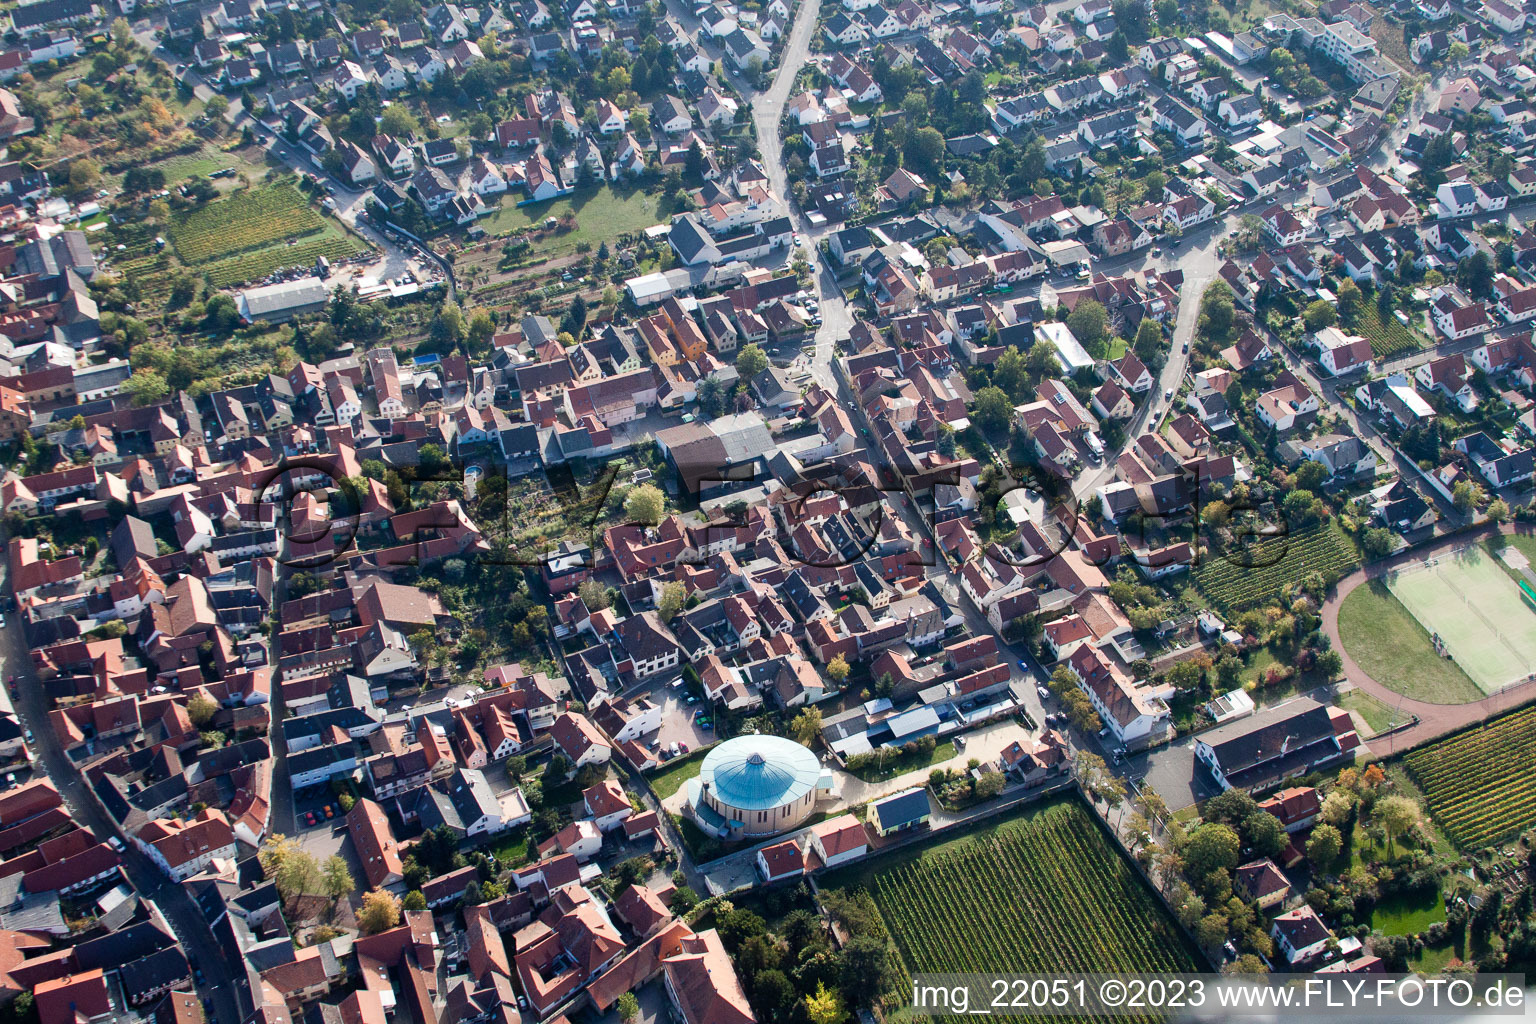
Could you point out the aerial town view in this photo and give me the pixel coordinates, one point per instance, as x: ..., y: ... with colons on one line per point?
x: 718, y: 511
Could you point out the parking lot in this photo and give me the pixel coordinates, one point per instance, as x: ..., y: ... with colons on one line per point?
x: 680, y: 719
x: 314, y: 801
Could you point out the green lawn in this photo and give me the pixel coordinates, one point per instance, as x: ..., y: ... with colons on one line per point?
x: 1377, y: 715
x: 1523, y: 544
x: 1388, y: 643
x: 1408, y: 913
x: 602, y: 215
x: 671, y: 778
x: 514, y: 850
x: 178, y: 169
x: 895, y: 764
x: 1433, y: 959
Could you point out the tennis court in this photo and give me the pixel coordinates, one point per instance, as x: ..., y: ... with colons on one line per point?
x: 1478, y: 613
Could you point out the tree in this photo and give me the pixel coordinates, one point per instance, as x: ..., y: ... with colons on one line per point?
x: 1250, y: 963
x: 1464, y: 496
x: 481, y: 327
x: 806, y: 726
x: 673, y: 595
x: 146, y: 386
x: 1475, y: 275
x: 945, y: 442
x: 1211, y: 847
x: 201, y: 709
x: 1212, y: 930
x: 750, y: 362
x: 380, y: 912
x: 293, y: 869
x: 863, y: 970
x: 84, y: 173
x: 447, y: 328
x: 398, y: 120
x: 824, y: 1007
x: 1265, y: 834
x: 337, y: 880
x: 1318, y: 315
x: 993, y: 409
x: 1330, y: 664
x: 1337, y: 807
x: 1324, y: 845
x: 1378, y: 542
x: 924, y: 152
x: 575, y: 319
x: 645, y: 504
x: 1096, y: 779
x: 414, y: 901
x: 837, y: 669
x: 1089, y: 324
x: 1498, y: 510
x: 1350, y: 300
x: 1217, y: 310
x: 1396, y: 815
x: 629, y: 1008
x: 1149, y: 340
x: 594, y: 595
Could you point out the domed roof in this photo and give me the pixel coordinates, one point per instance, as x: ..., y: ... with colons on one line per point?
x: 758, y: 773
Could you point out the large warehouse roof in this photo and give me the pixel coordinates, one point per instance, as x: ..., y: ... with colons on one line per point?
x: 256, y: 303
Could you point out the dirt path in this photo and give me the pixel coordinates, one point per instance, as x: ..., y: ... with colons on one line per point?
x: 1434, y: 719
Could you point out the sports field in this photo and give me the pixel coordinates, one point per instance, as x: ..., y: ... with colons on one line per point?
x: 1478, y: 613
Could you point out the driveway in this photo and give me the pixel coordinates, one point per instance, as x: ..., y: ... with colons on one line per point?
x: 1173, y: 772
x: 677, y: 721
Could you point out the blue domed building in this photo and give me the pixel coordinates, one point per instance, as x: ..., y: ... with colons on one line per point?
x: 756, y: 786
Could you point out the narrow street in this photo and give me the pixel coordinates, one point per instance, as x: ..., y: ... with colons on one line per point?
x: 175, y: 904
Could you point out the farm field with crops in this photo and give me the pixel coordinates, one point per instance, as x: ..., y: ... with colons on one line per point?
x: 1256, y: 574
x: 1041, y: 892
x: 1387, y: 336
x: 254, y: 232
x: 251, y: 266
x: 1480, y: 786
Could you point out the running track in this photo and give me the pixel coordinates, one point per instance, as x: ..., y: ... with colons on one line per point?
x: 1434, y: 719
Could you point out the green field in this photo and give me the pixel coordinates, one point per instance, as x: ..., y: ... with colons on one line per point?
x: 1477, y: 611
x: 602, y: 215
x: 1377, y: 715
x: 254, y: 232
x: 1394, y: 649
x: 1480, y: 785
x: 1408, y: 913
x: 1041, y: 892
x: 671, y: 777
x: 1257, y: 574
x: 190, y: 165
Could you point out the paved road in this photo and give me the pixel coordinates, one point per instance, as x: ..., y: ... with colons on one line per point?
x: 1197, y: 256
x: 767, y: 113
x: 180, y: 911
